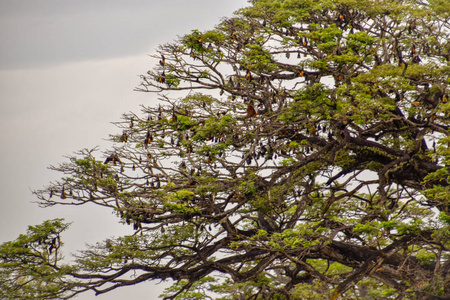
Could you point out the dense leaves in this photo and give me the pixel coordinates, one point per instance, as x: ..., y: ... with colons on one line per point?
x: 29, y: 265
x: 301, y: 153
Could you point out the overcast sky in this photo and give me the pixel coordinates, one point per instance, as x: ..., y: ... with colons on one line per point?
x: 67, y: 70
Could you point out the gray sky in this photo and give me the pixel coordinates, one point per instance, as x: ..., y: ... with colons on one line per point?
x: 67, y: 70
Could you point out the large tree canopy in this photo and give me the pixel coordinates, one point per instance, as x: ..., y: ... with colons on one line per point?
x: 300, y: 150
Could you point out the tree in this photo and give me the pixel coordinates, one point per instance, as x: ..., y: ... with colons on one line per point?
x: 302, y: 153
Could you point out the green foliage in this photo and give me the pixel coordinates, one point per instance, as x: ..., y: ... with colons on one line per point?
x: 196, y: 291
x: 326, y: 39
x: 29, y: 271
x: 256, y: 58
x: 194, y: 41
x: 444, y: 217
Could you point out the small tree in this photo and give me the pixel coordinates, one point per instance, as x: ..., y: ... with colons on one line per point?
x: 302, y: 153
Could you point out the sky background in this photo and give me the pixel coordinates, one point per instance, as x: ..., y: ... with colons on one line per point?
x: 67, y: 70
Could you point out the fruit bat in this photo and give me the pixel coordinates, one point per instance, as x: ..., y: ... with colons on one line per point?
x: 148, y: 138
x: 162, y: 62
x: 248, y: 76
x: 114, y: 158
x: 52, y: 245
x: 330, y: 135
x: 63, y: 194
x: 162, y: 78
x: 411, y: 27
x: 137, y: 225
x: 251, y: 110
x: 262, y: 79
x: 174, y: 116
x: 124, y: 137
x: 416, y: 59
x: 191, y: 181
x: 340, y: 20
